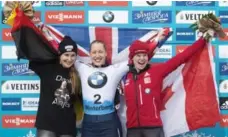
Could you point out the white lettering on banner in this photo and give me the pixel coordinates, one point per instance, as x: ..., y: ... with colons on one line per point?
x: 18, y: 121
x: 62, y: 16
x: 21, y: 86
x: 9, y: 52
x: 164, y: 52
x: 7, y: 34
x: 120, y: 17
x: 29, y: 104
x: 152, y: 16
x: 190, y: 16
x: 10, y: 103
x: 223, y: 51
x: 225, y: 120
x: 144, y: 3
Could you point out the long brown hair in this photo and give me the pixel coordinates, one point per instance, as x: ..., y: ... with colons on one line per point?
x: 75, y: 81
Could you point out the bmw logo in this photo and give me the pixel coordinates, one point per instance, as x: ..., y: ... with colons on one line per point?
x: 151, y: 3
x: 97, y: 80
x: 108, y: 16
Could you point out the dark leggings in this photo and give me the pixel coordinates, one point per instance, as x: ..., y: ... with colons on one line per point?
x: 147, y: 132
x: 46, y: 133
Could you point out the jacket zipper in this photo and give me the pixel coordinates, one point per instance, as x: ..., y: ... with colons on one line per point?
x: 136, y: 97
x: 140, y: 93
x: 155, y: 108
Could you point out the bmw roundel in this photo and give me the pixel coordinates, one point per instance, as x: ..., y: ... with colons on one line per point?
x: 97, y: 80
x: 108, y: 16
x: 151, y: 3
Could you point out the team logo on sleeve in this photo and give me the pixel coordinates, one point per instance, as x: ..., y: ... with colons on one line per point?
x: 97, y: 80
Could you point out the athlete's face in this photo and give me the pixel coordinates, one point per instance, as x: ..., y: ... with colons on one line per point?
x: 67, y: 59
x: 140, y: 61
x: 98, y: 54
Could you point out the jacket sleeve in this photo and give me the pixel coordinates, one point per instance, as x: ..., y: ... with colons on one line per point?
x: 183, y: 57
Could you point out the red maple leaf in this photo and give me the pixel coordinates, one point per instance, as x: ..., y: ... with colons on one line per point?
x: 165, y: 96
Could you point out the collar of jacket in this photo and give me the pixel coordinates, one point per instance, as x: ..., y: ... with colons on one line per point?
x: 134, y: 71
x: 102, y: 66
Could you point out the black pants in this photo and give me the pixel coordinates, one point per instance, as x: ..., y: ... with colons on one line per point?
x: 101, y: 126
x: 145, y: 132
x: 46, y: 133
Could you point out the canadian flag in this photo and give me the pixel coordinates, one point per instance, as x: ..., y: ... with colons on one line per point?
x: 190, y: 95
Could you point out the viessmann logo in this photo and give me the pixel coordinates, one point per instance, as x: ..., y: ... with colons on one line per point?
x: 18, y: 121
x: 226, y: 37
x: 60, y: 17
x: 6, y: 34
x: 224, y: 120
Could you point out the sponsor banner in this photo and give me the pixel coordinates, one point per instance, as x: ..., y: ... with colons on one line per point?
x: 223, y: 86
x: 223, y: 3
x: 164, y: 52
x: 18, y: 121
x: 3, y: 19
x: 223, y: 51
x: 64, y: 17
x: 37, y: 17
x: 16, y: 69
x: 150, y: 17
x: 74, y: 3
x: 195, y: 3
x: 6, y: 34
x: 223, y: 15
x: 29, y: 104
x: 226, y: 37
x: 11, y: 104
x: 224, y: 121
x: 54, y: 3
x: 151, y: 3
x: 185, y: 34
x: 9, y: 52
x: 104, y: 17
x: 223, y: 68
x: 190, y: 16
x: 20, y: 86
x: 223, y: 103
x: 181, y: 48
x: 108, y: 3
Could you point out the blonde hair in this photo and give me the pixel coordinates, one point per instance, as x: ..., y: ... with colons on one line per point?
x: 75, y: 81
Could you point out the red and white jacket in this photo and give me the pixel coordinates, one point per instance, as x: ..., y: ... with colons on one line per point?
x: 142, y: 90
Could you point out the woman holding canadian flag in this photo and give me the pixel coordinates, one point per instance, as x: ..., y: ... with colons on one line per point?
x: 143, y: 85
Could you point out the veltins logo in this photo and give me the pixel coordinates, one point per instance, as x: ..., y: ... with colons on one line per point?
x: 164, y: 52
x: 21, y: 86
x: 190, y: 16
x: 224, y: 121
x: 223, y: 103
x: 223, y: 86
x: 223, y: 16
x: 151, y: 3
x: 150, y: 17
x: 61, y: 17
x: 6, y: 34
x: 29, y: 104
x: 195, y: 3
x: 16, y: 69
x: 11, y: 104
x: 223, y: 54
x: 185, y: 34
x: 223, y: 3
x: 226, y: 37
x: 18, y: 121
x: 108, y: 3
x: 223, y: 67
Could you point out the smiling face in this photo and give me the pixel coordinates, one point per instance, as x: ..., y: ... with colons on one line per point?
x: 98, y: 54
x: 140, y: 61
x: 67, y: 59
